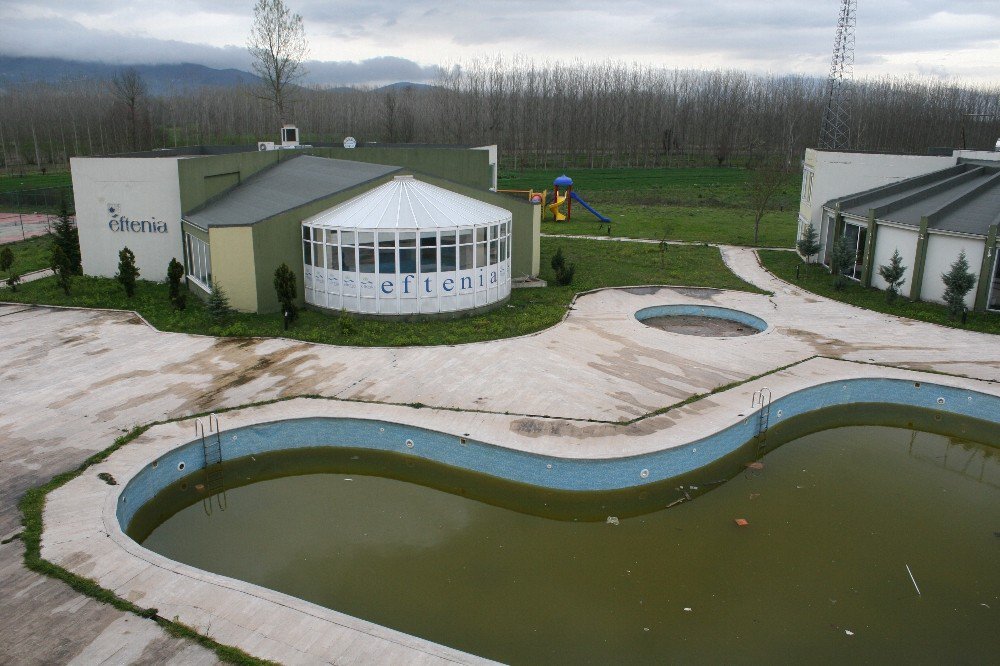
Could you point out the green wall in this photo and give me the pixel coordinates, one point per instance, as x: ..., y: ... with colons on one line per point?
x: 279, y: 239
x: 459, y: 165
x: 207, y: 176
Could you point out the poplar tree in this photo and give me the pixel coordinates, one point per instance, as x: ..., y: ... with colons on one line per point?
x: 277, y: 46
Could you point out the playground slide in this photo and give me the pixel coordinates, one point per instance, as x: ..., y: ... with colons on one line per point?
x: 583, y: 203
x: 554, y: 209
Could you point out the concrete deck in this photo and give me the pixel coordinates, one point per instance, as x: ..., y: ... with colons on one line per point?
x: 73, y: 380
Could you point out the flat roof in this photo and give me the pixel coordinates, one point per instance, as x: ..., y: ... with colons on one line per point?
x: 283, y: 187
x: 962, y: 199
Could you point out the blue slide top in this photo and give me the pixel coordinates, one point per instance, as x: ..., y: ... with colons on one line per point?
x: 583, y: 203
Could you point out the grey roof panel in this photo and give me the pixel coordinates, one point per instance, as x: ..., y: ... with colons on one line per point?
x: 287, y: 185
x: 963, y: 200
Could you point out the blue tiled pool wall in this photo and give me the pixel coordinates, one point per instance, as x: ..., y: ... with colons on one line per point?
x: 545, y: 471
x: 738, y: 316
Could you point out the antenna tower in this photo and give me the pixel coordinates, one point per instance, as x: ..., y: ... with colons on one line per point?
x: 835, y: 133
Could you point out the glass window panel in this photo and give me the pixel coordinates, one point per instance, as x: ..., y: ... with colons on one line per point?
x: 387, y: 260
x: 480, y: 254
x: 332, y: 257
x: 386, y: 239
x: 347, y: 238
x: 447, y: 238
x: 331, y: 236
x: 428, y: 260
x: 480, y: 234
x: 366, y: 260
x: 448, y: 257
x: 465, y: 257
x: 407, y: 260
x: 366, y: 238
x: 407, y: 239
x: 494, y: 252
x: 307, y: 253
x: 503, y: 249
x: 305, y: 233
x: 465, y: 236
x: 428, y: 238
x: 348, y: 260
x: 493, y: 231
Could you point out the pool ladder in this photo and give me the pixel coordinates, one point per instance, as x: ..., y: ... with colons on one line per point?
x: 215, y: 481
x: 762, y: 399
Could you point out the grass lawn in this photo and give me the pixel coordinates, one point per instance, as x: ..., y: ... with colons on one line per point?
x: 694, y: 186
x: 35, y: 180
x: 705, y: 204
x: 29, y: 255
x: 815, y: 278
x: 730, y: 226
x: 598, y: 264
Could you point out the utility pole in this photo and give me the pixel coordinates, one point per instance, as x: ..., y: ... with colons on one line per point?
x: 835, y: 132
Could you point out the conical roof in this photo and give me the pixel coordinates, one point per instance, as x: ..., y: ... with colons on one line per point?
x: 407, y: 203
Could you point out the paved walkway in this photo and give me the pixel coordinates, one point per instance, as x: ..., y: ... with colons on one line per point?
x: 74, y: 379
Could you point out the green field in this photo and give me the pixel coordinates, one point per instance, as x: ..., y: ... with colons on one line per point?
x: 817, y: 279
x: 705, y: 204
x: 598, y: 264
x: 34, y: 181
x: 29, y: 255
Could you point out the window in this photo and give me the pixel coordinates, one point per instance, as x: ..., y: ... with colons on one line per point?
x: 481, y: 247
x: 387, y: 252
x: 428, y: 252
x: 465, y: 250
x: 807, y: 185
x: 407, y: 252
x: 856, y: 236
x: 448, y: 256
x: 348, y: 258
x: 199, y: 260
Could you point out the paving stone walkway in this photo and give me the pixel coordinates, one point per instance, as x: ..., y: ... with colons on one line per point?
x: 73, y: 380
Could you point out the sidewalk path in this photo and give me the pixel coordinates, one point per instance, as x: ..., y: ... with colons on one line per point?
x: 73, y: 380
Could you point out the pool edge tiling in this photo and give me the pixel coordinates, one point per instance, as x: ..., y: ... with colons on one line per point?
x: 83, y: 532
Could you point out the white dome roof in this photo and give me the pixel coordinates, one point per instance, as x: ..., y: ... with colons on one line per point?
x: 407, y: 203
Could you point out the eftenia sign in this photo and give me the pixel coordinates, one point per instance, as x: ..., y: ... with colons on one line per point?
x: 119, y: 222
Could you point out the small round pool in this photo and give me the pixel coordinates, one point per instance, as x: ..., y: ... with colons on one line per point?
x: 704, y: 320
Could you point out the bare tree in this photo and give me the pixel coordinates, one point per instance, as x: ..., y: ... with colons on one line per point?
x: 277, y: 45
x: 765, y: 181
x: 130, y: 89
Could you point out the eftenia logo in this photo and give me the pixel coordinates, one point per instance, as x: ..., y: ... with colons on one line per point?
x: 119, y: 222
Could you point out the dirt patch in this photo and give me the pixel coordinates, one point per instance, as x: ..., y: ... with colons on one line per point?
x: 711, y: 327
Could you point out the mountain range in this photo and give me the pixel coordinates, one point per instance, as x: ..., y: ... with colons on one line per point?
x: 161, y: 79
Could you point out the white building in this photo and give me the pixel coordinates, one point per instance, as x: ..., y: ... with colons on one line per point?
x: 928, y: 208
x: 407, y: 247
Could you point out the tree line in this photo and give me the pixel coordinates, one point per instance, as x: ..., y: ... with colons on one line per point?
x: 540, y: 114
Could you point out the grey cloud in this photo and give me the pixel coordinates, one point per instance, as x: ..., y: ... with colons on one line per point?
x: 372, y: 71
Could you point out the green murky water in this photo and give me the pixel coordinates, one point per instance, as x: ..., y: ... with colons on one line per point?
x: 818, y: 575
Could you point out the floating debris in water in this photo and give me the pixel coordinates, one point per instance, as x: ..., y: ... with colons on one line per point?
x: 848, y: 632
x: 612, y: 520
x: 742, y: 522
x: 687, y: 610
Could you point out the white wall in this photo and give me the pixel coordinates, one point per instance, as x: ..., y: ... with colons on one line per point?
x: 143, y: 191
x: 942, y: 251
x: 839, y: 174
x: 887, y: 240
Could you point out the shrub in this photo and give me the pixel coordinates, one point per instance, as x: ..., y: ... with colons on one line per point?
x: 13, y: 280
x: 127, y: 271
x: 67, y: 238
x: 808, y: 245
x: 958, y: 282
x: 892, y: 273
x: 218, y: 303
x: 564, y: 272
x: 284, y: 287
x: 6, y: 259
x: 842, y: 257
x: 175, y: 271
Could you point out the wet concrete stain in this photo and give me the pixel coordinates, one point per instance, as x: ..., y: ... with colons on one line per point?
x: 534, y: 428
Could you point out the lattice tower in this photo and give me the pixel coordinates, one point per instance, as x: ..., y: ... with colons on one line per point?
x: 835, y: 132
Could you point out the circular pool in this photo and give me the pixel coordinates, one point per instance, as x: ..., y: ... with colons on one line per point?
x: 704, y: 320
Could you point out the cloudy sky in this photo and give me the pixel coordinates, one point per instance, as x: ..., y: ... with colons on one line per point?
x: 361, y: 41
